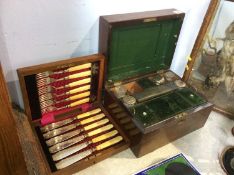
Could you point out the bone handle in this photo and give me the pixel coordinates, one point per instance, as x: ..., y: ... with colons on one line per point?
x: 109, y: 143
x: 86, y: 114
x: 94, y: 125
x: 80, y: 82
x: 91, y: 119
x: 80, y: 89
x: 82, y: 95
x: 85, y: 100
x: 104, y: 136
x: 100, y: 130
x: 80, y: 67
x: 79, y: 75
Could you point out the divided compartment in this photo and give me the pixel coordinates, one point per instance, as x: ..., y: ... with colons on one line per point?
x: 137, y: 46
x: 29, y: 86
x: 156, y: 103
x: 165, y: 106
x: 143, y: 84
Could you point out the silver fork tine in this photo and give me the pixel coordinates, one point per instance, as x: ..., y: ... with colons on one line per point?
x: 43, y: 81
x: 45, y: 104
x: 45, y: 89
x: 45, y: 97
x: 43, y: 75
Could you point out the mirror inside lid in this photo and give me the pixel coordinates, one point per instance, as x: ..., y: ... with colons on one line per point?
x: 141, y: 43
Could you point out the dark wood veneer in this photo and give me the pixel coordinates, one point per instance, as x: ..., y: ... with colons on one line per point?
x: 163, y: 132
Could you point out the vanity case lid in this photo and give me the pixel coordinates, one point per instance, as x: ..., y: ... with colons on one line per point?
x: 139, y: 43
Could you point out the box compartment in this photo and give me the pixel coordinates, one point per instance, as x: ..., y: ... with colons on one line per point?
x: 34, y: 108
x: 139, y: 48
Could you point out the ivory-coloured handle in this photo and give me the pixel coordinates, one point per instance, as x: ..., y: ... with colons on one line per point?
x: 82, y: 95
x: 80, y: 82
x: 79, y: 89
x: 104, y: 136
x: 94, y: 125
x: 100, y: 130
x: 86, y: 114
x: 82, y: 66
x: 109, y: 143
x: 76, y: 103
x: 91, y: 119
x: 79, y: 75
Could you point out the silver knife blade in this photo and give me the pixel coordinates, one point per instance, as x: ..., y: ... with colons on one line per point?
x: 70, y: 160
x: 65, y: 144
x: 63, y: 137
x: 59, y: 131
x: 57, y: 124
x: 69, y: 151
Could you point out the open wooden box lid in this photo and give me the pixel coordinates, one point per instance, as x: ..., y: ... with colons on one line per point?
x: 136, y: 45
x: 94, y: 64
x: 139, y: 43
x: 29, y: 87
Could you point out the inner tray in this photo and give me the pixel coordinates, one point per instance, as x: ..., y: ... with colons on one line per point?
x: 165, y: 106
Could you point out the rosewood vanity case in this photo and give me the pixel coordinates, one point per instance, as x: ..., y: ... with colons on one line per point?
x: 141, y: 92
x: 83, y: 110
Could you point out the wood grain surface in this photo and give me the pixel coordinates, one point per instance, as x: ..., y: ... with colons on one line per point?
x: 11, y: 156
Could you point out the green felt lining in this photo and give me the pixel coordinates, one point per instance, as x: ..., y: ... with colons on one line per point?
x: 142, y: 48
x: 166, y: 106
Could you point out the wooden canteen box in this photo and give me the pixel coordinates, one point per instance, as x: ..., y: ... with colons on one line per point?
x: 151, y: 104
x: 63, y: 104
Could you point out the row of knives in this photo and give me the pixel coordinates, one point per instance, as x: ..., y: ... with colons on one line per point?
x: 73, y: 139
